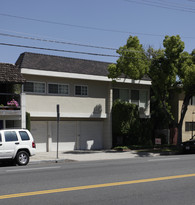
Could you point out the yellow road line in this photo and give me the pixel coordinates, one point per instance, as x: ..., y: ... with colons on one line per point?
x: 94, y: 186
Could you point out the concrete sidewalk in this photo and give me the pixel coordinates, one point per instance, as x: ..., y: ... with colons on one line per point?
x: 87, y: 155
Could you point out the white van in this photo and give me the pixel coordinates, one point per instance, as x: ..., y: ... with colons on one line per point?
x: 17, y: 145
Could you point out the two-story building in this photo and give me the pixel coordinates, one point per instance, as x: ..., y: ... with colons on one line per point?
x: 85, y: 95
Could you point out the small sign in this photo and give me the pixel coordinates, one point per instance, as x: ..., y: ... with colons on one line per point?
x: 157, y: 140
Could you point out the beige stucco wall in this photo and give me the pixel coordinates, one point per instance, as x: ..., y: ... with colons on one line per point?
x: 93, y: 105
x: 189, y: 117
x: 69, y: 106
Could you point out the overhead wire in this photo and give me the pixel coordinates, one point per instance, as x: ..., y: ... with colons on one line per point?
x: 161, y: 5
x: 57, y: 50
x: 87, y: 27
x: 63, y: 42
x: 70, y: 51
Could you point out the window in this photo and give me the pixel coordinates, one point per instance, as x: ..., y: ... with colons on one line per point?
x: 10, y: 136
x: 81, y: 90
x: 34, y: 87
x: 143, y: 99
x: 24, y: 135
x: 12, y: 123
x: 189, y: 126
x: 135, y: 97
x: 140, y: 98
x: 192, y: 101
x: 122, y: 94
x: 60, y: 89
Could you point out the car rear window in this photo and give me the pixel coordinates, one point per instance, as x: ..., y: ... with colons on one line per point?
x: 24, y: 135
x: 10, y: 136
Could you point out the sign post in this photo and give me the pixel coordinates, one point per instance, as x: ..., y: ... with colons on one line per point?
x: 58, y: 120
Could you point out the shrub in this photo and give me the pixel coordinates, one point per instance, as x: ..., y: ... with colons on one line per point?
x: 127, y: 125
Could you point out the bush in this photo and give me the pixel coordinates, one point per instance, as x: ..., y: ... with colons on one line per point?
x: 127, y: 125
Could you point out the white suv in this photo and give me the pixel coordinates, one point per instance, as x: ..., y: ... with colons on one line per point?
x: 17, y: 144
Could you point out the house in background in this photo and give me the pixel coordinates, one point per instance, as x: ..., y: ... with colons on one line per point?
x: 12, y: 100
x: 188, y: 128
x: 85, y: 96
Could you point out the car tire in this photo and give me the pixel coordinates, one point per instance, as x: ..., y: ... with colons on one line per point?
x: 22, y: 158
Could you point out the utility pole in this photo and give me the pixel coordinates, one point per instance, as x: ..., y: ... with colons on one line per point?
x: 58, y: 127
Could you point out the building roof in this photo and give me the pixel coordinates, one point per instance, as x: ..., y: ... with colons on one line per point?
x: 10, y: 73
x: 63, y: 64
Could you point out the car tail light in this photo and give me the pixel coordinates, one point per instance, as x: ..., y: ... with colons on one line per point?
x: 33, y: 145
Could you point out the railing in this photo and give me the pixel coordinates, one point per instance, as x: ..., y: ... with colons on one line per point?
x: 9, y: 101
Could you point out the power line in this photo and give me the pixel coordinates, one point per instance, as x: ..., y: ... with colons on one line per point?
x: 55, y: 41
x: 161, y: 5
x: 69, y: 51
x: 58, y: 50
x: 62, y: 42
x: 87, y: 27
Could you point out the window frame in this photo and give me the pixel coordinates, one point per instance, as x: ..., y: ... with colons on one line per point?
x: 189, y: 125
x: 60, y: 94
x: 130, y: 100
x: 119, y: 89
x: 34, y: 82
x: 81, y: 91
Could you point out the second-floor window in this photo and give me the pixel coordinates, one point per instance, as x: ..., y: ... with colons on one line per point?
x: 122, y: 94
x: 58, y: 89
x: 81, y: 90
x: 34, y: 87
x: 137, y: 97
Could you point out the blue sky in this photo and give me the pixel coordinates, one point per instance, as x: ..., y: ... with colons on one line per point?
x: 98, y: 23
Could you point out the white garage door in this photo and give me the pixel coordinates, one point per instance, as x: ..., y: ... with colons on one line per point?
x: 91, y: 133
x: 72, y: 135
x: 39, y: 132
x: 67, y: 135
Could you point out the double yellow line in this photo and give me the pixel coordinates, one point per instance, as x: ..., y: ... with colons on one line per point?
x: 94, y: 186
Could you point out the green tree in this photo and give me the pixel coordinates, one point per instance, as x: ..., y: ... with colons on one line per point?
x: 166, y: 67
x: 132, y: 62
x: 186, y: 73
x: 163, y: 73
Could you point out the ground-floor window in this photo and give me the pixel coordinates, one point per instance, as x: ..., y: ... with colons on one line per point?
x: 189, y: 126
x: 9, y: 124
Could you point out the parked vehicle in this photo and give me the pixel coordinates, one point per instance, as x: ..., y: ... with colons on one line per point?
x: 16, y: 145
x: 189, y: 146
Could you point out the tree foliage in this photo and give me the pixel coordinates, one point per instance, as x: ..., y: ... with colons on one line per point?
x: 132, y: 62
x: 163, y: 73
x: 166, y: 67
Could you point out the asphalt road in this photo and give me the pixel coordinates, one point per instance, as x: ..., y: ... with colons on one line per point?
x: 148, y: 180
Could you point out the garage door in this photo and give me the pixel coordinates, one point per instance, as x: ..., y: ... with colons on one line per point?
x: 72, y: 135
x: 39, y: 132
x: 67, y: 135
x: 91, y: 133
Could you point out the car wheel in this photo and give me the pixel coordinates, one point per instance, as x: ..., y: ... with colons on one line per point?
x: 22, y: 158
